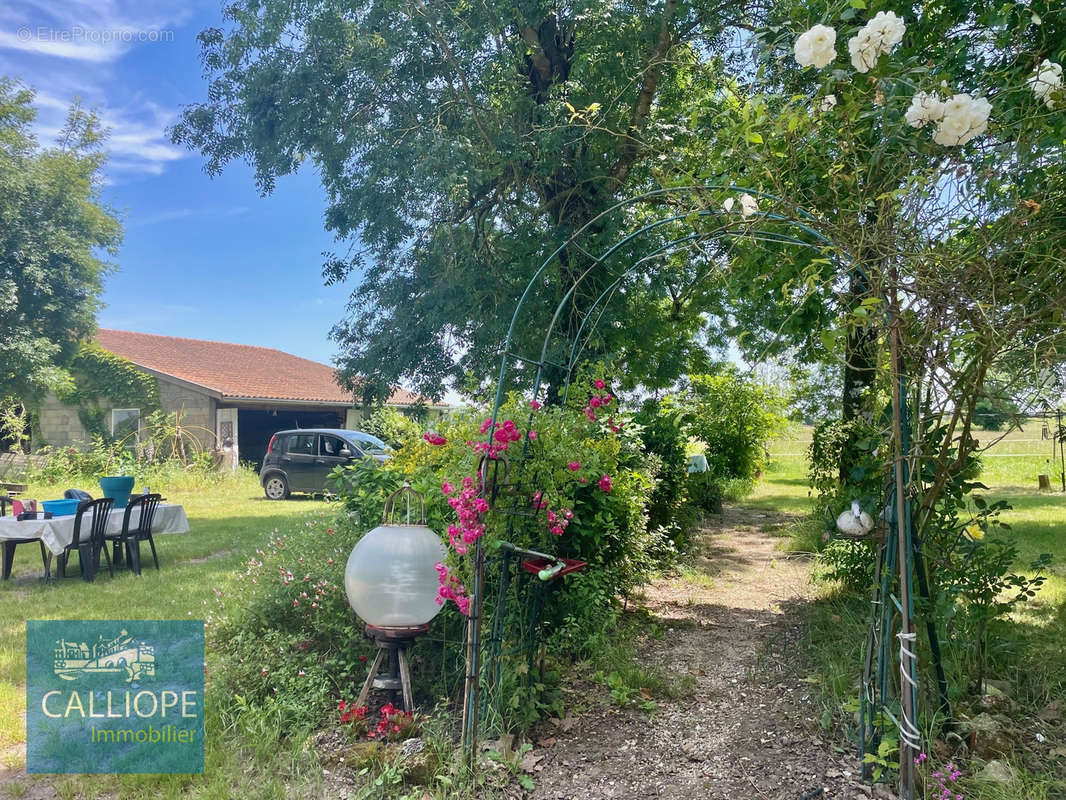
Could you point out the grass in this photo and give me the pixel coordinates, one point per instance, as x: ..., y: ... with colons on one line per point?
x: 228, y: 522
x: 1030, y: 643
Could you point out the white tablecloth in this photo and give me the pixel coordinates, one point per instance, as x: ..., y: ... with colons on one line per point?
x: 58, y: 532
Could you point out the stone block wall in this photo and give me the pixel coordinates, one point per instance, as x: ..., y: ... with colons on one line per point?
x: 59, y: 423
x: 198, y: 409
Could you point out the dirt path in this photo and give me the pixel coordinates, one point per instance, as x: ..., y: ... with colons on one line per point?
x: 749, y: 728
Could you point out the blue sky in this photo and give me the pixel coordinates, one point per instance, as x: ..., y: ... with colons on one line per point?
x: 202, y: 257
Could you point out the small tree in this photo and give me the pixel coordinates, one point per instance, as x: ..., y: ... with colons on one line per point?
x: 53, y: 226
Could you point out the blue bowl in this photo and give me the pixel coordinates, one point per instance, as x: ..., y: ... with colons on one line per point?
x: 60, y: 508
x: 117, y: 487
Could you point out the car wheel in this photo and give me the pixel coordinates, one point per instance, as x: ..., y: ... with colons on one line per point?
x: 276, y: 487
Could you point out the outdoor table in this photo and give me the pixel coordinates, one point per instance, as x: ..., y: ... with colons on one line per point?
x: 57, y: 533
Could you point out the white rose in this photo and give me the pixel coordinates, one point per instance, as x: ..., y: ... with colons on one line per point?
x: 728, y: 204
x: 952, y: 130
x: 828, y: 102
x: 863, y: 51
x: 1046, y: 80
x: 816, y: 47
x: 965, y: 118
x: 877, y: 36
x: 888, y: 28
x: 748, y: 205
x: 924, y: 108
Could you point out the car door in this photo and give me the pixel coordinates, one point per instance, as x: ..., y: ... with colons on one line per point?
x: 299, y: 461
x: 330, y: 450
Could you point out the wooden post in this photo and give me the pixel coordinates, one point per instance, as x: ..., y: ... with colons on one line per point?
x: 1044, y: 482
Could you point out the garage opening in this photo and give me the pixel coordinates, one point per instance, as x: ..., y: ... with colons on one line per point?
x: 255, y: 427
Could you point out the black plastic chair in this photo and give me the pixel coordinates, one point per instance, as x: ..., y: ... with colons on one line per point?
x: 130, y: 538
x: 88, y: 547
x: 7, y: 556
x: 5, y: 501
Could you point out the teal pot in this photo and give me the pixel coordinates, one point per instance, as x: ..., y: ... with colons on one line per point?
x: 118, y: 487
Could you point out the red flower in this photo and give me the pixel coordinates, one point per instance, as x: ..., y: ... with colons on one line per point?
x: 434, y: 438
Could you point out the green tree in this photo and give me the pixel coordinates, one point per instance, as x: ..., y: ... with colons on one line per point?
x: 53, y: 226
x: 460, y: 143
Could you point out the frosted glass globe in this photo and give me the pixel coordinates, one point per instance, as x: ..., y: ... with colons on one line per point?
x: 389, y: 578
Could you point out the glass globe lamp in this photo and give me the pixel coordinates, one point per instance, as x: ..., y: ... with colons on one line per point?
x: 389, y: 578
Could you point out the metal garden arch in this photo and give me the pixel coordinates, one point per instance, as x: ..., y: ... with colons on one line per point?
x: 898, y: 554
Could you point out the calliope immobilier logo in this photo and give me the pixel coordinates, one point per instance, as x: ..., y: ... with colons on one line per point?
x: 115, y: 696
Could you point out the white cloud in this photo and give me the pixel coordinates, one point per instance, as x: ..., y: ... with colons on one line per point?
x: 73, y: 50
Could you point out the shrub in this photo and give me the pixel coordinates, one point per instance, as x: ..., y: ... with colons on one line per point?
x: 579, y: 486
x: 391, y: 426
x: 735, y: 418
x: 663, y: 435
x: 705, y: 491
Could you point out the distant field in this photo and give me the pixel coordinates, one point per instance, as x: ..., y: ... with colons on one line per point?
x: 1010, y: 469
x: 1012, y: 459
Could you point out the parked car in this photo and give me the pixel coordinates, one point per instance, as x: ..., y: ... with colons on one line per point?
x: 299, y: 460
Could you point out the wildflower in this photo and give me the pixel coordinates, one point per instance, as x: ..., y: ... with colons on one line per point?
x: 816, y: 47
x: 975, y: 532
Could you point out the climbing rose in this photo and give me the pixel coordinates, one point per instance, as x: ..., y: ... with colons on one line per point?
x: 877, y: 36
x: 532, y: 436
x: 965, y: 118
x: 816, y: 47
x: 924, y: 108
x: 447, y: 488
x: 601, y: 385
x: 574, y: 466
x: 748, y: 205
x: 535, y: 405
x: 434, y: 438
x: 605, y: 483
x: 1046, y: 80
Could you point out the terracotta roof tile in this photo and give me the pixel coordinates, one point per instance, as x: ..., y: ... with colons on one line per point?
x: 237, y: 371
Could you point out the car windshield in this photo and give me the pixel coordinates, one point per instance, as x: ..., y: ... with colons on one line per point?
x: 369, y: 444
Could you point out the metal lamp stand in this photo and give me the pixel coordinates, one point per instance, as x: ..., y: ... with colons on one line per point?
x: 391, y: 670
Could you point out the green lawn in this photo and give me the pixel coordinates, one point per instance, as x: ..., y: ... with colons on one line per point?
x: 227, y: 522
x: 1029, y: 652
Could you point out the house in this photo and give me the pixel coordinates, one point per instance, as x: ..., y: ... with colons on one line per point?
x: 232, y: 397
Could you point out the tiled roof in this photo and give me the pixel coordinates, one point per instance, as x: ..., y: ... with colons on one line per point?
x: 237, y: 371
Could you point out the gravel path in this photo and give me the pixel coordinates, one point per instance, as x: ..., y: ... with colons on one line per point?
x: 749, y: 728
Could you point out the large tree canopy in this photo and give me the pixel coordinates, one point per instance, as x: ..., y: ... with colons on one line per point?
x: 460, y: 143
x: 53, y: 227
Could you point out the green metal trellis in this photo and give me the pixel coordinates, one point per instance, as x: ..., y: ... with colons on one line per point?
x: 900, y: 553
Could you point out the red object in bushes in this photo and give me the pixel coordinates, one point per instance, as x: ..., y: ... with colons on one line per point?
x: 535, y: 565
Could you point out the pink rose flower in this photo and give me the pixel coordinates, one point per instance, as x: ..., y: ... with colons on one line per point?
x: 574, y: 466
x: 534, y: 405
x: 599, y: 384
x: 605, y: 483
